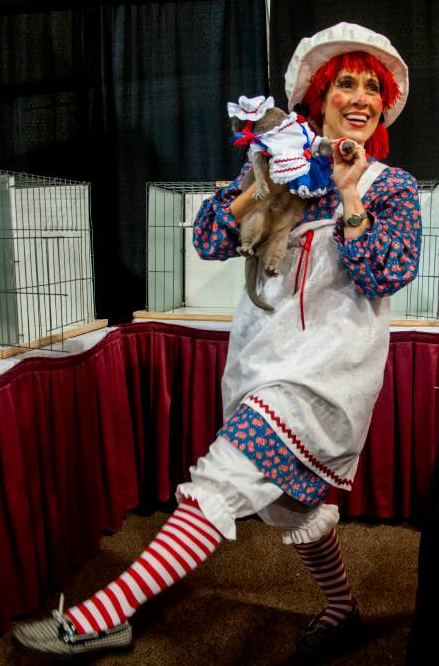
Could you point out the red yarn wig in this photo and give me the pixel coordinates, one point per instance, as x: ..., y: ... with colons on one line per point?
x: 356, y: 61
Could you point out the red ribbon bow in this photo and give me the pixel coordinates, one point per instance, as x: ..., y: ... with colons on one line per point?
x: 246, y: 139
x: 247, y: 136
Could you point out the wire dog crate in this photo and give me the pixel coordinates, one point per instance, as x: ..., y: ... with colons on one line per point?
x: 179, y: 282
x: 419, y: 300
x: 46, y: 261
x: 174, y: 281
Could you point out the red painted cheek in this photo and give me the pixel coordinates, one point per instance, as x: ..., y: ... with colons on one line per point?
x: 377, y: 104
x: 337, y: 101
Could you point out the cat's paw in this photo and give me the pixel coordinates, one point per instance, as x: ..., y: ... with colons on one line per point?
x: 262, y: 190
x: 272, y: 270
x: 245, y: 250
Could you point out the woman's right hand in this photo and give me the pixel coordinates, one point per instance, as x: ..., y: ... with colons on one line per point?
x: 348, y: 169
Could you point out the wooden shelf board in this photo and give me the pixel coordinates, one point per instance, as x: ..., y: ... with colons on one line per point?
x: 6, y: 352
x: 142, y: 314
x: 188, y: 316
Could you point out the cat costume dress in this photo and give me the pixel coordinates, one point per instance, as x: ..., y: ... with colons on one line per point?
x: 291, y: 147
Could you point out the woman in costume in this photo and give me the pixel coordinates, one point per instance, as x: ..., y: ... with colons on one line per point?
x: 301, y: 381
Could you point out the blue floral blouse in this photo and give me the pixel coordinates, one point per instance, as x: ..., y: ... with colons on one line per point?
x: 381, y: 261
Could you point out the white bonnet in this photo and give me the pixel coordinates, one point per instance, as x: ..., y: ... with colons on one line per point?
x: 312, y: 52
x: 250, y: 108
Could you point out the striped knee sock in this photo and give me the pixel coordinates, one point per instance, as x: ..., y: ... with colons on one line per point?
x: 186, y: 540
x: 323, y: 560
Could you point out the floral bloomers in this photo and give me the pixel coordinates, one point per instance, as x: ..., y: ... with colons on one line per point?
x: 251, y: 434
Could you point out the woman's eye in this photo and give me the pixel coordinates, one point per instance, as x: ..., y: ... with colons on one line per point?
x: 344, y: 84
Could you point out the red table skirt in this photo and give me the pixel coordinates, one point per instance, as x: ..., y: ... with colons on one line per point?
x: 84, y: 438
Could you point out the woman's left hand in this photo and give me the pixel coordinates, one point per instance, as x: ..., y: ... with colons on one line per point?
x: 348, y: 169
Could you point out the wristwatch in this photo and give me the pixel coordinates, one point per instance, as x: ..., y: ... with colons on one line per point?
x: 355, y: 219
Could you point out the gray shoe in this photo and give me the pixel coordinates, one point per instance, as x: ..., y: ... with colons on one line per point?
x: 56, y: 637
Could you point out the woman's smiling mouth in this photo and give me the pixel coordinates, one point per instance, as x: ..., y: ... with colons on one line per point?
x: 356, y: 119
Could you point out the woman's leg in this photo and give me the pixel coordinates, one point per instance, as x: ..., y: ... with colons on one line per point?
x: 312, y: 532
x: 323, y: 560
x: 331, y: 629
x: 185, y: 541
x: 225, y: 485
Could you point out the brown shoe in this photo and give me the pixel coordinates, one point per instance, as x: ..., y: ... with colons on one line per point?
x: 321, y: 640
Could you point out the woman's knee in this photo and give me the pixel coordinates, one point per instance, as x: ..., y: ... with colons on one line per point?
x: 227, y: 485
x: 304, y: 526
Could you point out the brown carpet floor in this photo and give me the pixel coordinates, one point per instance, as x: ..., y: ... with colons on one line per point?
x: 247, y: 605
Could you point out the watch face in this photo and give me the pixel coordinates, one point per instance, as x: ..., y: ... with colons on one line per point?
x: 355, y: 219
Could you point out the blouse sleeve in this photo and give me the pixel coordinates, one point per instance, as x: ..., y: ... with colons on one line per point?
x: 386, y: 257
x: 215, y: 232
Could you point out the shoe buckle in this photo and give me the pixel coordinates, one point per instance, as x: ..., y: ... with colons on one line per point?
x: 66, y: 630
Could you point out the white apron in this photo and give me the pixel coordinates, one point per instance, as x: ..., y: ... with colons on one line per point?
x: 317, y: 385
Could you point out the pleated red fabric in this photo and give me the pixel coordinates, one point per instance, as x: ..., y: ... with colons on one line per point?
x: 67, y: 468
x: 397, y: 461
x: 174, y: 383
x: 86, y: 437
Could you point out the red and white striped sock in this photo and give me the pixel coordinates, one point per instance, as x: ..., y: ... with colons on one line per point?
x: 323, y: 560
x: 184, y: 542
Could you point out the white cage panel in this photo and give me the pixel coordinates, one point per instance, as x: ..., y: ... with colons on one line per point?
x: 165, y: 209
x: 46, y: 278
x: 209, y: 284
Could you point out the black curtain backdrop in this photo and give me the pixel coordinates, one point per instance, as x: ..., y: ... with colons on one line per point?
x: 121, y: 93
x: 412, y: 27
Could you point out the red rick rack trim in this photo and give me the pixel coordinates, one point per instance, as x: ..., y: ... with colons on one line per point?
x: 281, y: 129
x: 255, y: 111
x: 292, y: 168
x: 318, y: 465
x: 287, y: 159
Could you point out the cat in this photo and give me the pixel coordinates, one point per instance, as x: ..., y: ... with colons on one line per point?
x: 264, y: 230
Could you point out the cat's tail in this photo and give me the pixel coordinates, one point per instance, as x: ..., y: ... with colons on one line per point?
x: 251, y: 274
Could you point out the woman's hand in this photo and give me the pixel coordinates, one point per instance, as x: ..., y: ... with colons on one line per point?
x: 348, y: 169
